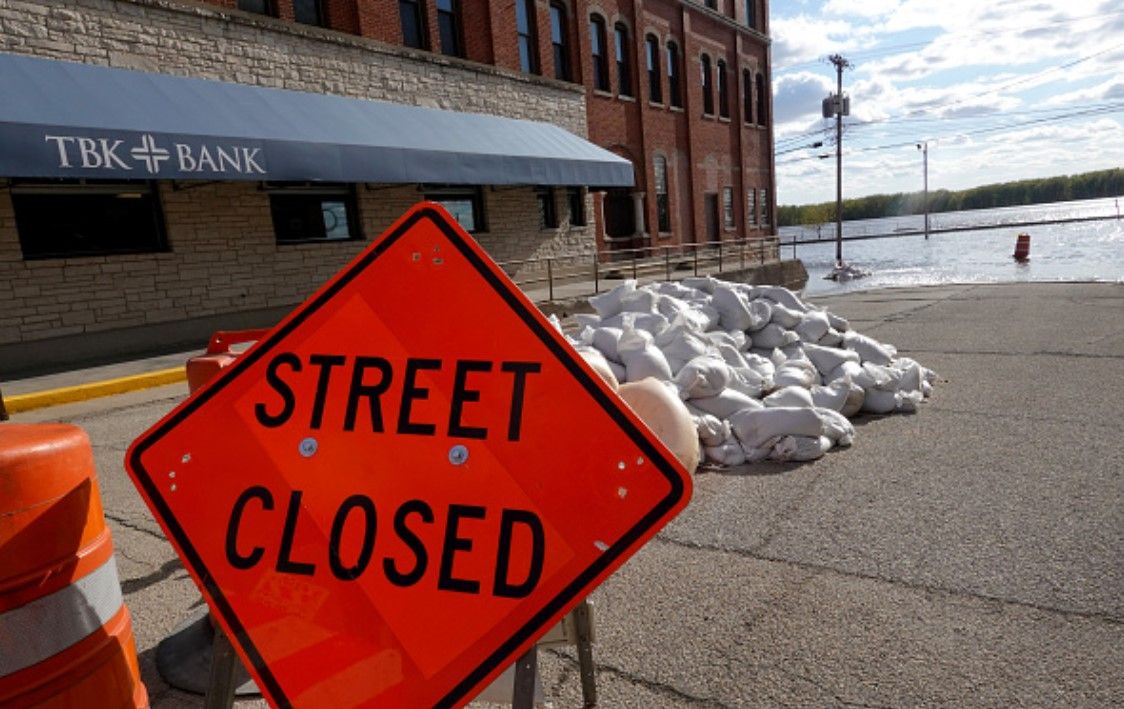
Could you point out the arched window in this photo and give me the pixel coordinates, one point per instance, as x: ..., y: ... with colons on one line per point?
x: 527, y: 37
x: 449, y: 27
x: 560, y: 41
x: 663, y: 207
x: 655, y: 92
x: 599, y: 51
x: 707, y: 86
x: 723, y: 91
x: 762, y: 102
x: 624, y: 71
x: 674, y: 94
x: 410, y: 14
x: 747, y: 96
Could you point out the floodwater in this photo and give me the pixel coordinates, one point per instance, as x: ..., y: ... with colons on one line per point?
x: 1084, y: 251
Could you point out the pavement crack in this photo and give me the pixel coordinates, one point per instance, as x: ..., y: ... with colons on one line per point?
x: 134, y: 526
x: 166, y: 570
x: 754, y: 554
x: 823, y: 688
x: 795, y: 504
x: 665, y: 690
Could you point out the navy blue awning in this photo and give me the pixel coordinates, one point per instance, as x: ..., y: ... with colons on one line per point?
x: 61, y: 119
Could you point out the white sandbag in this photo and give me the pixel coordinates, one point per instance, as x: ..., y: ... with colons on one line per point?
x: 886, y: 378
x: 833, y: 396
x: 869, y: 349
x: 812, y: 326
x: 640, y: 300
x: 593, y: 356
x: 848, y: 370
x: 905, y: 362
x: 609, y: 304
x: 800, y: 448
x: 827, y: 359
x: 726, y: 404
x: 736, y: 339
x: 646, y: 362
x: 590, y: 320
x: 607, y: 341
x: 618, y: 370
x: 909, y: 401
x: 662, y: 411
x: 926, y: 389
x: 649, y: 322
x: 789, y: 396
x: 730, y: 356
x: 855, y: 398
x: 703, y: 376
x: 796, y: 373
x: 911, y: 378
x: 785, y: 317
x: 681, y: 312
x: 703, y: 283
x: 793, y: 352
x: 712, y: 430
x: 756, y: 455
x: 753, y: 427
x: 836, y: 426
x: 772, y: 336
x: 735, y: 313
x: 879, y: 401
x: 762, y: 365
x: 727, y: 453
x: 554, y: 322
x: 772, y: 354
x: 837, y: 323
x: 784, y: 296
x: 680, y: 345
x: 833, y: 338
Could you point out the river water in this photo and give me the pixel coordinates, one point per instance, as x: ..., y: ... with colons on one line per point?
x: 1083, y: 251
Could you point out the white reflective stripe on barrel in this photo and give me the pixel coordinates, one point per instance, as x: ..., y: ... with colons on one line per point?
x: 46, y: 626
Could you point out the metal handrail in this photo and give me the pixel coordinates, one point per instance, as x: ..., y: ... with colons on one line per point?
x: 653, y: 262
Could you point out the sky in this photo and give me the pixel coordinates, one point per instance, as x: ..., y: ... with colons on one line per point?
x: 1001, y: 90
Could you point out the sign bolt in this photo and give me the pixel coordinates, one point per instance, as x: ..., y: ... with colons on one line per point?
x: 458, y: 454
x: 308, y: 447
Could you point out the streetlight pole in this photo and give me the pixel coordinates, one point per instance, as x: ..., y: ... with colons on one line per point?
x: 840, y: 64
x: 924, y: 148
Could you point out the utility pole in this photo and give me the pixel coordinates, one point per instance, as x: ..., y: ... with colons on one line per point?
x: 924, y: 148
x: 840, y: 63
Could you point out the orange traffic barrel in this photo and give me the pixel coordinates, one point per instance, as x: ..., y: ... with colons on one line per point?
x: 66, y: 639
x: 203, y: 368
x: 1022, y: 247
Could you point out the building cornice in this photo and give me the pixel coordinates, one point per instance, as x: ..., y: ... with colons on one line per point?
x: 730, y: 22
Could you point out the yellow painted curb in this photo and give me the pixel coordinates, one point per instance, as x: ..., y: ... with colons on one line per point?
x: 83, y: 392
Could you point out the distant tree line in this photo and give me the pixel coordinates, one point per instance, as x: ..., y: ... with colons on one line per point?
x: 1089, y: 185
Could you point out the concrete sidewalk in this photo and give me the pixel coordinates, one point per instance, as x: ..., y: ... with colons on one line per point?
x: 972, y: 553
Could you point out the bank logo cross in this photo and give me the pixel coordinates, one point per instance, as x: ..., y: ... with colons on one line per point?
x: 149, y: 154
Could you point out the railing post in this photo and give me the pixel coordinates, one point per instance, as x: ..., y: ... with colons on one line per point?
x: 634, y: 264
x: 667, y: 262
x: 550, y: 278
x: 695, y: 256
x: 720, y: 255
x: 741, y: 255
x: 596, y: 274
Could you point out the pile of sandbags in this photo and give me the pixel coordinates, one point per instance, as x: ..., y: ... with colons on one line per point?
x: 763, y: 375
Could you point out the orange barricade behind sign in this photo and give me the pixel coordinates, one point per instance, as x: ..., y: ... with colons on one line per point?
x: 392, y: 494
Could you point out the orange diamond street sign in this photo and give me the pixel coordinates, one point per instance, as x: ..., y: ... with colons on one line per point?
x: 398, y: 489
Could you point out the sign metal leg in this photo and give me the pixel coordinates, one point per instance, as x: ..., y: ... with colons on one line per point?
x: 583, y: 623
x: 224, y: 662
x: 526, y: 670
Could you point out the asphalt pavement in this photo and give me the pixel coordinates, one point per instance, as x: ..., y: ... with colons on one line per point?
x: 970, y: 554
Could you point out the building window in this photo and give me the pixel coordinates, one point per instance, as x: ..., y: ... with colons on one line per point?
x: 528, y: 39
x: 69, y: 218
x: 410, y: 13
x: 548, y: 210
x: 260, y: 7
x: 707, y: 87
x: 765, y: 205
x: 576, y: 199
x: 597, y: 48
x: 751, y: 207
x: 762, y: 102
x: 728, y: 207
x: 723, y: 91
x: 712, y: 4
x: 751, y: 13
x: 313, y: 212
x: 675, y: 97
x: 663, y: 206
x: 624, y: 71
x: 309, y: 12
x: 465, y: 204
x: 449, y: 27
x: 655, y: 92
x: 559, y: 39
x: 747, y: 96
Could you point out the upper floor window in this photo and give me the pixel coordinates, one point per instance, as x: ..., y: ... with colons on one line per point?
x: 655, y: 91
x: 674, y: 94
x: 465, y: 204
x: 548, y: 209
x: 261, y: 7
x: 528, y: 39
x: 410, y: 14
x: 728, y: 207
x: 624, y: 71
x: 663, y: 207
x: 723, y: 91
x: 449, y: 27
x: 313, y: 212
x: 707, y: 86
x: 751, y: 13
x: 309, y: 12
x: 712, y: 4
x: 747, y: 96
x: 751, y: 207
x: 559, y: 40
x: 766, y: 207
x: 598, y: 49
x: 762, y: 102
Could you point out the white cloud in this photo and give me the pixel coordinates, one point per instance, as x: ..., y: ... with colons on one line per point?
x: 861, y: 8
x: 798, y: 96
